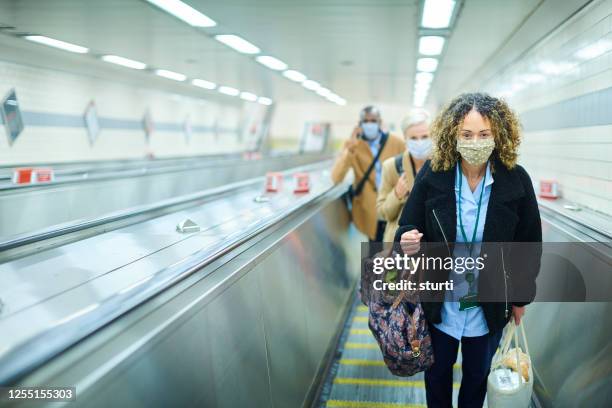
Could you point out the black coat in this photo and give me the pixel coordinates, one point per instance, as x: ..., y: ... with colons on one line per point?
x: 512, y: 216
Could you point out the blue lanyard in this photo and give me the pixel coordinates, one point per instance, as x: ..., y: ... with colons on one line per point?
x: 470, y: 243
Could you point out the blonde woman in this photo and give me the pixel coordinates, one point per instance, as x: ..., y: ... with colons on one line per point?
x: 399, y: 172
x: 471, y: 194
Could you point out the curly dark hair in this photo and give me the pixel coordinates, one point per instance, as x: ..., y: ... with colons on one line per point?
x: 445, y: 128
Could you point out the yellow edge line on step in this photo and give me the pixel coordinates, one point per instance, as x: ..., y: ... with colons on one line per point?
x: 361, y: 362
x: 375, y: 382
x: 360, y: 331
x: 369, y: 346
x: 368, y: 362
x: 369, y: 404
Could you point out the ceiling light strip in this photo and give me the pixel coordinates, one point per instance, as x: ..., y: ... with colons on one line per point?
x: 175, y: 76
x: 228, y: 90
x: 437, y: 13
x: 237, y: 43
x: 271, y: 62
x: 202, y: 83
x: 124, y: 62
x: 184, y: 12
x: 52, y: 42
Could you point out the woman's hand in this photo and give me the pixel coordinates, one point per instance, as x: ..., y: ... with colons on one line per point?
x: 518, y: 312
x: 410, y: 242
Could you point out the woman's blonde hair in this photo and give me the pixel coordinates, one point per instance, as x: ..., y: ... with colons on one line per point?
x: 415, y: 117
x: 445, y: 129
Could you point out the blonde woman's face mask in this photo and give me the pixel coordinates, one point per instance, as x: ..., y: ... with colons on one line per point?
x: 475, y: 141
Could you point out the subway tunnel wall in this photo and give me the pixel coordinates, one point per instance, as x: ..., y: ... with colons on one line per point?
x: 562, y: 89
x: 54, y: 102
x: 561, y: 86
x: 290, y: 117
x: 54, y: 90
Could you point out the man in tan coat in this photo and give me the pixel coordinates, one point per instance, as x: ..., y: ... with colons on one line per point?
x: 396, y: 185
x: 358, y: 153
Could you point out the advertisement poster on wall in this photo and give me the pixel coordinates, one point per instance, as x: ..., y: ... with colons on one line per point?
x: 315, y: 136
x: 147, y: 125
x: 11, y: 116
x: 254, y: 127
x: 92, y: 123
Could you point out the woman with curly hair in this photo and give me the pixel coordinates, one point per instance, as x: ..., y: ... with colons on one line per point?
x: 469, y: 194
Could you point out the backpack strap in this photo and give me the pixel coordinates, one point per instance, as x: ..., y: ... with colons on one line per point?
x: 399, y: 164
x: 413, y: 165
x: 359, y: 188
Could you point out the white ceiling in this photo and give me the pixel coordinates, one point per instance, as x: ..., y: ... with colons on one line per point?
x: 483, y: 27
x: 364, y: 50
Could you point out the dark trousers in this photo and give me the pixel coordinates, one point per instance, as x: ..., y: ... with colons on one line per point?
x: 477, y: 353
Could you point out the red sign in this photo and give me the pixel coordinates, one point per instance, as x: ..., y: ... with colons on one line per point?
x: 42, y: 175
x: 302, y: 183
x: 22, y: 175
x: 274, y: 182
x: 549, y: 189
x: 27, y: 175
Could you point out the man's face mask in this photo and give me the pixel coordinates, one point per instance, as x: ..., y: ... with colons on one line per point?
x: 419, y: 149
x: 370, y: 130
x: 476, y: 152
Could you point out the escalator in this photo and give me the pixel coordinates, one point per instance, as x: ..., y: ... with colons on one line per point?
x: 131, y: 312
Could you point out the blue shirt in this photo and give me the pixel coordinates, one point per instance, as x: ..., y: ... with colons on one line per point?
x: 374, y: 146
x: 466, y: 323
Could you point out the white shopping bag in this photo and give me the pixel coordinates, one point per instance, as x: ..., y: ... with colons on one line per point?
x: 507, y: 388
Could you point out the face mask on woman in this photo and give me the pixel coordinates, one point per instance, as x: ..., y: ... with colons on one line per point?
x: 370, y: 130
x: 419, y: 149
x: 476, y: 152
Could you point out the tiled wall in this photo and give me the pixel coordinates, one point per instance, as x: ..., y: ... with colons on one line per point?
x: 290, y: 118
x: 53, y: 103
x: 562, y: 89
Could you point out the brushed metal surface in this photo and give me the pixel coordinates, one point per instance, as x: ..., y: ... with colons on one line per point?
x: 181, y: 364
x: 232, y: 335
x: 239, y: 357
x: 30, y: 209
x: 570, y: 342
x: 284, y: 313
x: 101, y: 275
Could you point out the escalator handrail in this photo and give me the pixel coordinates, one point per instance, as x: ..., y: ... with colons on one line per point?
x: 581, y: 223
x: 111, y: 175
x: 143, y: 160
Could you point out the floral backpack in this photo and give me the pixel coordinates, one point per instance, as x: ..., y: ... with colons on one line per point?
x: 398, y: 323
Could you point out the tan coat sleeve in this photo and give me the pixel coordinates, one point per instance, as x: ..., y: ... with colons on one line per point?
x: 388, y: 205
x: 341, y: 166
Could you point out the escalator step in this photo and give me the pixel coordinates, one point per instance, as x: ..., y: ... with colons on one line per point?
x: 359, y: 377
